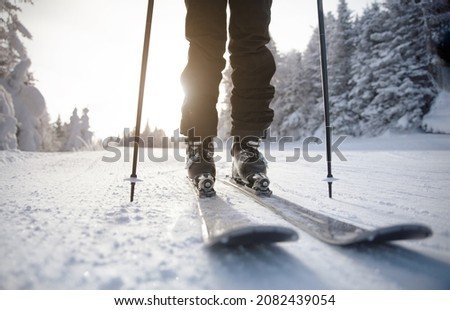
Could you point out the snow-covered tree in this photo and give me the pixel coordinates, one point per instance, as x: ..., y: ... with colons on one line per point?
x: 12, y: 49
x: 146, y: 134
x: 391, y: 86
x: 151, y: 138
x: 379, y: 73
x: 86, y: 134
x: 60, y: 133
x: 300, y: 105
x: 49, y: 142
x: 288, y: 101
x: 288, y: 66
x: 74, y: 141
x: 341, y: 49
x: 8, y: 123
x: 29, y: 106
x: 369, y: 44
x: 437, y: 18
x: 158, y: 136
x: 404, y: 89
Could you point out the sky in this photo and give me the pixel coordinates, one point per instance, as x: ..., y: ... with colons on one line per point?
x: 87, y: 53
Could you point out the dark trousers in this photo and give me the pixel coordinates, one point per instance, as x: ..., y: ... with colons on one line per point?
x: 252, y: 63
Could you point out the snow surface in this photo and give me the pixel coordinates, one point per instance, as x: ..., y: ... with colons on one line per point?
x: 66, y: 223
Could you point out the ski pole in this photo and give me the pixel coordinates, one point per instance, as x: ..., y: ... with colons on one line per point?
x: 133, y: 177
x: 326, y: 103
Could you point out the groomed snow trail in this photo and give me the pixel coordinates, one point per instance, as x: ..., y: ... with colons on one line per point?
x: 66, y: 223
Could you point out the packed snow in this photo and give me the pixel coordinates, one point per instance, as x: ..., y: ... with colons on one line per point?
x: 66, y: 223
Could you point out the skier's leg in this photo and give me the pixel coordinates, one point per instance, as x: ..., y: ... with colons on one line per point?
x: 253, y: 67
x: 207, y: 35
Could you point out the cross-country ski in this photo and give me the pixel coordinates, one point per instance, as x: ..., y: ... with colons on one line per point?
x: 330, y: 229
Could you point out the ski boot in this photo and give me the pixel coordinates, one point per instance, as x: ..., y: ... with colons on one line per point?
x: 249, y: 167
x: 200, y: 166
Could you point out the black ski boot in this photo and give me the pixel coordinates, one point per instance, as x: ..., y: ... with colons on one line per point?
x: 200, y: 166
x: 249, y: 167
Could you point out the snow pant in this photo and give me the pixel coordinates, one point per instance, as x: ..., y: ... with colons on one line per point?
x: 252, y: 63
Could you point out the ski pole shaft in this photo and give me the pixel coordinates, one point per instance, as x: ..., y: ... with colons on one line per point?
x: 148, y: 27
x: 326, y: 103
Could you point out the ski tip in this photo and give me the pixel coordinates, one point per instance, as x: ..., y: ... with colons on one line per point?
x: 393, y: 233
x: 254, y: 236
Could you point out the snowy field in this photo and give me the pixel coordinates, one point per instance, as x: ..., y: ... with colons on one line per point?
x: 66, y: 223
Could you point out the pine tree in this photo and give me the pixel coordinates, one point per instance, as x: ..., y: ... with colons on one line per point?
x: 60, y: 134
x: 404, y: 90
x: 158, y: 137
x: 86, y: 134
x: 48, y: 133
x: 437, y: 18
x: 146, y: 136
x: 11, y: 47
x: 299, y: 103
x: 74, y: 140
x: 369, y: 45
x: 29, y: 103
x: 341, y: 47
x: 288, y: 100
x: 59, y: 127
x: 288, y: 66
x: 8, y: 123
